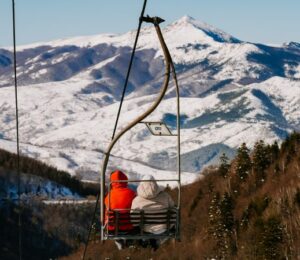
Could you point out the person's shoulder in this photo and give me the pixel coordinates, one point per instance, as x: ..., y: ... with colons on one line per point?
x: 137, y: 202
x: 139, y: 199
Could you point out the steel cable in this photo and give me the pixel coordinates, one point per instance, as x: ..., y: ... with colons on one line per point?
x: 129, y: 68
x: 17, y: 133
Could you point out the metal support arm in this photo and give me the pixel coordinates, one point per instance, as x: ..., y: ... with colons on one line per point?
x: 137, y: 120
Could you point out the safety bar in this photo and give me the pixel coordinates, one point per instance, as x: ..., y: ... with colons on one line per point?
x: 119, y: 181
x: 139, y: 218
x: 157, y: 212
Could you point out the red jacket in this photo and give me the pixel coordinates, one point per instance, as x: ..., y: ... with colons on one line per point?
x: 120, y: 198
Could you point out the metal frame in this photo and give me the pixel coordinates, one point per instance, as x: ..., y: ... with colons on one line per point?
x: 169, y: 66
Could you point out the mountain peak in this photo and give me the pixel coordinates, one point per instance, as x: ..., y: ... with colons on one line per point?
x: 211, y: 31
x: 294, y: 45
x: 186, y: 18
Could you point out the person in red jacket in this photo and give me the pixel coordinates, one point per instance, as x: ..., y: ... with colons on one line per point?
x: 120, y: 197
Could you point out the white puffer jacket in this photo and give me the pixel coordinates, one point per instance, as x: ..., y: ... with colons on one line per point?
x: 151, y: 198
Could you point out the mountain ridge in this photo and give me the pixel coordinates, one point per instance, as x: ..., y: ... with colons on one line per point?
x: 231, y: 90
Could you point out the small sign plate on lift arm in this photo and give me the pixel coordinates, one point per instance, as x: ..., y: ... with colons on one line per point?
x: 158, y: 128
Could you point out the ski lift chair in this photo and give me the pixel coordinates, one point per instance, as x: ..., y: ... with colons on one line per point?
x: 117, y: 218
x: 139, y: 218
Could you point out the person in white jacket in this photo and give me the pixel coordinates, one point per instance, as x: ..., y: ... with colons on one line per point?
x: 150, y: 198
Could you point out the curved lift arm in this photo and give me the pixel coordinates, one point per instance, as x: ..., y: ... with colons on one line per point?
x: 168, y: 64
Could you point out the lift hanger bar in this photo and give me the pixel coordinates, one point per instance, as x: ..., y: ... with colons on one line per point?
x: 136, y: 121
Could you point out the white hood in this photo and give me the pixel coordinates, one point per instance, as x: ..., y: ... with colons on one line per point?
x: 149, y: 189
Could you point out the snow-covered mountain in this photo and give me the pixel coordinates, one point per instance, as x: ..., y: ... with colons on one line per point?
x: 232, y: 92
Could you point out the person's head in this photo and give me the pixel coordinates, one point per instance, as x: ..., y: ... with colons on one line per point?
x: 148, y: 189
x: 118, y: 175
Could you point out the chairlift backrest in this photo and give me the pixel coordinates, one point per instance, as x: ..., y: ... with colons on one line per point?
x: 140, y: 219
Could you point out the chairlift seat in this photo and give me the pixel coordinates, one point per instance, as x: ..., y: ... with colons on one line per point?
x: 139, y: 219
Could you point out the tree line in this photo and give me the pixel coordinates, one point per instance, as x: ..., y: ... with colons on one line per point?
x: 8, y: 162
x: 244, y: 218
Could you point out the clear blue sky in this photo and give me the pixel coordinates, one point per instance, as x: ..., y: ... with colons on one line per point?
x: 266, y: 21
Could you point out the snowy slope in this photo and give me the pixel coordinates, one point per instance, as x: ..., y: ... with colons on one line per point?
x: 32, y: 187
x: 232, y: 91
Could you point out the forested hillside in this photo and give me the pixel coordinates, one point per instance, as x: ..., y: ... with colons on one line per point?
x: 46, y: 230
x: 246, y: 209
x: 8, y: 163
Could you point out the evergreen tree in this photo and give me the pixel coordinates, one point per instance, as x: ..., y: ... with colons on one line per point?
x: 243, y: 162
x: 221, y: 222
x: 245, y: 220
x: 224, y: 165
x: 275, y: 151
x: 226, y: 207
x: 270, y: 238
x: 214, y: 215
x: 261, y: 161
x: 215, y: 226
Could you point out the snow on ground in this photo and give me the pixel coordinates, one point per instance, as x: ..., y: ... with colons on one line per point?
x: 70, y: 133
x: 64, y: 124
x: 34, y: 187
